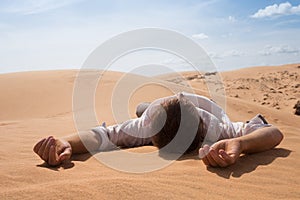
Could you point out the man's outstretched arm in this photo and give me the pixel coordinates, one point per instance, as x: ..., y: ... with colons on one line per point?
x: 225, y: 152
x: 55, y: 151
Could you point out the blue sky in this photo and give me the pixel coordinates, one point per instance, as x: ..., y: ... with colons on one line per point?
x: 60, y: 34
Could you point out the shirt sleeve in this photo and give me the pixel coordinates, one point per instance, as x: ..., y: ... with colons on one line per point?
x: 131, y: 133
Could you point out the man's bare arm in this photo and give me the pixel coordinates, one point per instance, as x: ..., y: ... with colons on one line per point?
x: 261, y: 140
x: 225, y: 152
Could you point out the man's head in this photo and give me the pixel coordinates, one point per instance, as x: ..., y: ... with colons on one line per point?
x: 177, y: 119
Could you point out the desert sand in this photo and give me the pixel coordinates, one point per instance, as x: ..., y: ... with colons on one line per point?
x: 37, y: 104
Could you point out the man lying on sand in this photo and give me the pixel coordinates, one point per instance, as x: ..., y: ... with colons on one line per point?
x: 195, y: 121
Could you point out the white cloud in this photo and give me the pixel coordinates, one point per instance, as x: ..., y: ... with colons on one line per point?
x: 214, y: 55
x: 233, y: 53
x: 229, y: 53
x: 277, y: 10
x: 232, y: 19
x: 174, y: 61
x: 227, y: 35
x: 284, y: 49
x: 200, y: 36
x: 29, y: 7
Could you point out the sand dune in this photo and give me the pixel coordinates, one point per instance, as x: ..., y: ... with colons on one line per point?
x: 38, y: 104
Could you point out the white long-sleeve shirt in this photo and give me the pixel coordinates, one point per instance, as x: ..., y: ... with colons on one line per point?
x: 138, y: 131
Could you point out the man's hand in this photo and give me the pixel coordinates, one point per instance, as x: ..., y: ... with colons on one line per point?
x: 53, y: 151
x: 222, y: 153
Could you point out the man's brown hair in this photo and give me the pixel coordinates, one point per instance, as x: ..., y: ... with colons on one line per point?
x: 177, y: 119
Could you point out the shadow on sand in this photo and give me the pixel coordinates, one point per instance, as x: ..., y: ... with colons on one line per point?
x: 248, y: 163
x: 245, y: 164
x: 67, y: 164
